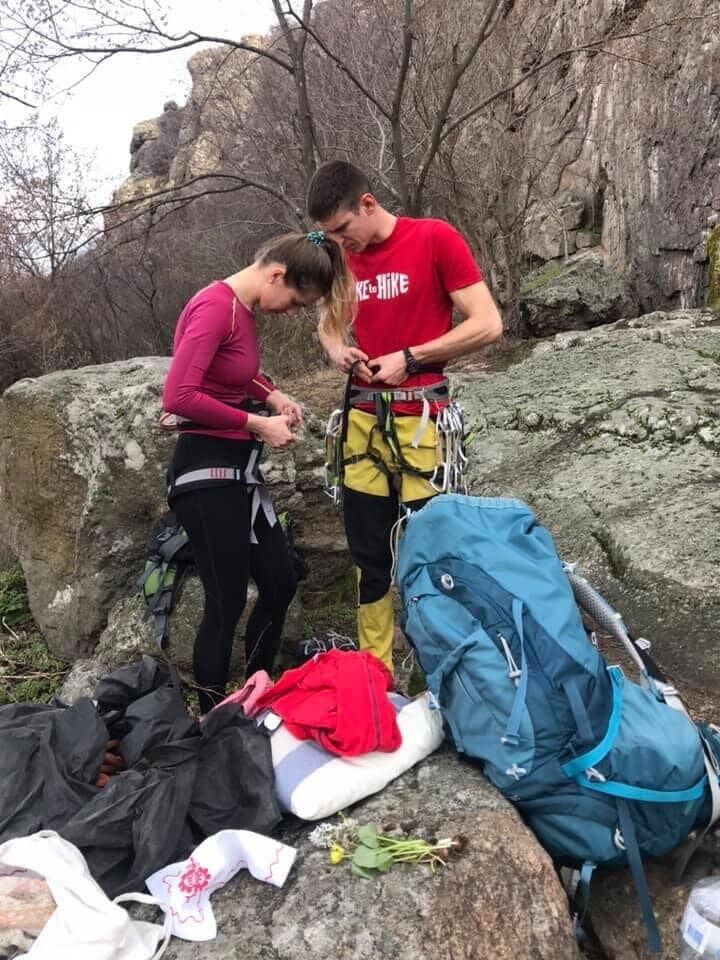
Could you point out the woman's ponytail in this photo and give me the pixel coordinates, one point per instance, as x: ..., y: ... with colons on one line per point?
x: 339, y: 306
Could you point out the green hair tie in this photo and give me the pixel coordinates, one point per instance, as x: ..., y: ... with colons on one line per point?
x: 316, y: 236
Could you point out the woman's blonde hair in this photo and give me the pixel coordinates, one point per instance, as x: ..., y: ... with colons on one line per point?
x: 314, y: 262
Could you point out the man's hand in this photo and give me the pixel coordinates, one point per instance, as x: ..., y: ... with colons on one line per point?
x: 343, y: 357
x: 390, y: 369
x: 280, y: 402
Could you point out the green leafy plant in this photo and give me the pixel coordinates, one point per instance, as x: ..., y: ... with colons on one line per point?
x: 14, y: 608
x: 371, y: 853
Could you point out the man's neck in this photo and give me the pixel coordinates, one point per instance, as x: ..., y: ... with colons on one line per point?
x: 385, y: 224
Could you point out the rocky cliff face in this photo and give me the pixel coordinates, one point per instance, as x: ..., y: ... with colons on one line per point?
x: 182, y: 143
x: 647, y: 140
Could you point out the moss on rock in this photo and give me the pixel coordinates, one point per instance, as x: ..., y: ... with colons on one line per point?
x: 713, y: 252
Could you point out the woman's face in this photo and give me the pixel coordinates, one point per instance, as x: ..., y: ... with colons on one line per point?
x: 279, y: 297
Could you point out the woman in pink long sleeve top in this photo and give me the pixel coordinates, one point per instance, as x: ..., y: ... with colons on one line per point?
x: 214, y: 486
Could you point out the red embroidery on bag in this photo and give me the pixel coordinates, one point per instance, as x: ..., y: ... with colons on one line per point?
x: 194, y: 879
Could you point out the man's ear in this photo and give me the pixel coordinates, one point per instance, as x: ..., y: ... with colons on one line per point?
x: 368, y: 204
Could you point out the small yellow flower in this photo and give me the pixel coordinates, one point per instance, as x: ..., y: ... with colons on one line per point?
x: 337, y: 853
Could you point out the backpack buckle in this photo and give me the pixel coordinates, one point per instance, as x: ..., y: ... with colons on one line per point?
x: 592, y: 774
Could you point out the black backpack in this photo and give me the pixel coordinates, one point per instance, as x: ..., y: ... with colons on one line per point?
x: 169, y: 557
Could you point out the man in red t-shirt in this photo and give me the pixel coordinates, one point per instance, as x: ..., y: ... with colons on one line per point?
x: 410, y: 274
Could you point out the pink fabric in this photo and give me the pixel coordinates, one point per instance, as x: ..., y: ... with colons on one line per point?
x: 215, y: 364
x: 248, y: 696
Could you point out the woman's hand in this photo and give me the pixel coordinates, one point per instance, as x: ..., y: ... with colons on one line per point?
x: 274, y: 431
x: 280, y: 402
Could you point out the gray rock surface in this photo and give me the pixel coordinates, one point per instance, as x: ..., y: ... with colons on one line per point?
x: 82, y: 479
x: 578, y: 294
x: 500, y: 899
x: 552, y: 228
x: 612, y: 436
x: 128, y: 634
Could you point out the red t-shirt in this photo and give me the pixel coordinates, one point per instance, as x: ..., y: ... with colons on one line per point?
x: 215, y: 364
x: 404, y: 285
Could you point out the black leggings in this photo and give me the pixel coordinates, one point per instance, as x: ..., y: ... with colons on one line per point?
x: 217, y: 521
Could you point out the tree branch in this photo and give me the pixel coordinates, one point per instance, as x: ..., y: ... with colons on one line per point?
x: 180, y: 42
x: 436, y: 136
x: 16, y: 99
x: 341, y: 65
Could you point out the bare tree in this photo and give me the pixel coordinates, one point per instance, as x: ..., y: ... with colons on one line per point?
x: 46, y: 213
x: 49, y: 32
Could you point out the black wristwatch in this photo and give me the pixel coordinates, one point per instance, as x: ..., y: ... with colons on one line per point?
x: 412, y: 364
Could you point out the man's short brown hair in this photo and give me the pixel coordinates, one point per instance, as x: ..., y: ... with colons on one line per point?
x: 337, y: 185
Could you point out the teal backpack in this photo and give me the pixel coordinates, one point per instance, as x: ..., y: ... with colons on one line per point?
x: 604, y: 770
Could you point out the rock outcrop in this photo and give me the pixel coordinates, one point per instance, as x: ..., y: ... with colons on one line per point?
x: 500, y: 899
x: 576, y: 294
x: 553, y: 227
x: 612, y: 436
x: 639, y: 138
x: 184, y: 142
x: 82, y: 479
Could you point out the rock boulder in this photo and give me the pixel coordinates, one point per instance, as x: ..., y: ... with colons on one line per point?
x: 552, y: 228
x: 581, y: 293
x: 612, y: 436
x: 82, y: 468
x: 500, y: 899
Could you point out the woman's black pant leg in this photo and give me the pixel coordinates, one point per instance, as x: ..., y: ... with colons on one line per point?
x: 217, y: 521
x: 272, y: 570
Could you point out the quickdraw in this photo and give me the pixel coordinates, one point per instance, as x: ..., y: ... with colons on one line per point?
x: 452, y: 442
x: 333, y: 456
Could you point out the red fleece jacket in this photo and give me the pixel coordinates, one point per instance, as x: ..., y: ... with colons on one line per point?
x: 340, y: 700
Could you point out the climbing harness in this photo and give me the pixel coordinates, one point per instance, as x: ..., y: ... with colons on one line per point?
x: 201, y: 477
x: 448, y: 476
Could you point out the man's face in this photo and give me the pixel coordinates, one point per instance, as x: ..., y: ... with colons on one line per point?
x: 353, y: 229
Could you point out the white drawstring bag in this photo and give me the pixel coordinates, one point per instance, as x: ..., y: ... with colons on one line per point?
x: 86, y: 925
x: 186, y: 887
